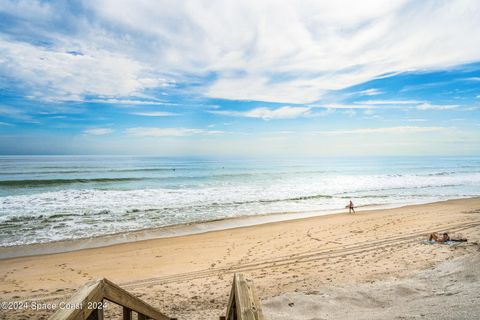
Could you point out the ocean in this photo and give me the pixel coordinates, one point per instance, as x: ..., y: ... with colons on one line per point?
x: 51, y: 198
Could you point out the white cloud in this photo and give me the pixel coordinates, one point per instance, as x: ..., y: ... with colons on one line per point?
x: 98, y: 131
x: 428, y: 106
x: 168, y: 132
x: 416, y: 120
x: 284, y: 51
x: 285, y: 112
x: 52, y: 74
x: 393, y: 130
x: 369, y: 92
x: 128, y: 102
x: 155, y: 114
x: 15, y: 113
x: 323, y: 50
x: 389, y: 102
x: 343, y: 106
x: 6, y: 124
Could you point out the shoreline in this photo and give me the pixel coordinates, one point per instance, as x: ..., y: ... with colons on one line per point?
x: 179, y: 230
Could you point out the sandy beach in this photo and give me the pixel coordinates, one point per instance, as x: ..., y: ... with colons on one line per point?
x: 166, y: 157
x: 374, y: 264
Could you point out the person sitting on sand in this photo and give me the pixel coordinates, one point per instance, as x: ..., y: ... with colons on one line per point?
x: 444, y: 237
x: 350, y: 207
x: 439, y: 237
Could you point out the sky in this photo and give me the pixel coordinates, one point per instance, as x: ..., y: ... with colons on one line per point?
x: 240, y: 78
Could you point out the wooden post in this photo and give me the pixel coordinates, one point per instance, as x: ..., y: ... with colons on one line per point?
x: 142, y: 317
x: 243, y: 303
x: 127, y: 313
x: 246, y: 300
x: 231, y: 312
x: 96, y: 314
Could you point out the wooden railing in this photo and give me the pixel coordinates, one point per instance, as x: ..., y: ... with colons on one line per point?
x: 243, y: 303
x: 87, y: 303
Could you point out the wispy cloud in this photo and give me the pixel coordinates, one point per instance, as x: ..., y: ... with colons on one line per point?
x: 98, y: 131
x: 117, y: 49
x: 420, y: 105
x: 428, y: 106
x: 343, y: 106
x: 169, y: 132
x: 16, y: 113
x: 6, y: 124
x: 369, y: 92
x: 389, y: 102
x: 285, y: 112
x: 155, y: 114
x: 393, y: 130
x: 416, y: 120
x: 128, y: 102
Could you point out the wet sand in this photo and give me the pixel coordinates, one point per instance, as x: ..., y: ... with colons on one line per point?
x: 190, y: 276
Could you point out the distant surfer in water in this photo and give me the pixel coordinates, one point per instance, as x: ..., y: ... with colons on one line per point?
x: 350, y: 207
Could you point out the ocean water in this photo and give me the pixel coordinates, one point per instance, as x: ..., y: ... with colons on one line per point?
x: 50, y: 198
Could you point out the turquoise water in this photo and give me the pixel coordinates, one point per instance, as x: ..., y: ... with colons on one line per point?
x: 49, y: 198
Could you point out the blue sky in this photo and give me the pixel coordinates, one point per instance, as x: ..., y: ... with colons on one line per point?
x: 231, y: 78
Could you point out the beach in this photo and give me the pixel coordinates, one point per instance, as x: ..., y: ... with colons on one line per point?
x: 290, y: 262
x: 169, y: 156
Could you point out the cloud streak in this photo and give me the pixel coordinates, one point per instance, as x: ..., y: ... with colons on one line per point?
x: 390, y: 102
x: 428, y: 106
x: 285, y: 112
x: 344, y: 106
x: 168, y: 132
x: 386, y: 130
x: 98, y: 131
x: 155, y: 114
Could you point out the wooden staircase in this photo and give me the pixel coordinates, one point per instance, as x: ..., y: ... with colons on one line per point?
x: 87, y: 303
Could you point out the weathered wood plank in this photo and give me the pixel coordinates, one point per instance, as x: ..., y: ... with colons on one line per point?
x: 91, y: 292
x: 231, y: 312
x: 246, y: 299
x: 117, y: 295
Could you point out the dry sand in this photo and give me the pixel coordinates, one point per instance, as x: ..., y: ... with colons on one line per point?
x: 450, y: 290
x: 372, y: 264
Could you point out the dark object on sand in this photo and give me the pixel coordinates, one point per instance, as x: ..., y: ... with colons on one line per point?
x: 442, y: 237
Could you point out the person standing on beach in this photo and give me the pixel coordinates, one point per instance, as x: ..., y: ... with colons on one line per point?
x: 350, y: 207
